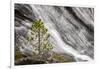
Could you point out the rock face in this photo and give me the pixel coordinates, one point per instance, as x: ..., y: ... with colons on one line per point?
x: 71, y: 29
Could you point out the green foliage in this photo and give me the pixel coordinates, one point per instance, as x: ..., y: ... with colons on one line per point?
x: 61, y: 58
x: 39, y: 37
x: 18, y: 55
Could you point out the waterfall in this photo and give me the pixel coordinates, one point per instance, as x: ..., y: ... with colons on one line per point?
x: 71, y: 28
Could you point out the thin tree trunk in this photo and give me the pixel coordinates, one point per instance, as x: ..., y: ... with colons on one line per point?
x: 39, y: 41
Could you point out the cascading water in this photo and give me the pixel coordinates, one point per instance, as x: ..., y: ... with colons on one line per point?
x: 71, y: 28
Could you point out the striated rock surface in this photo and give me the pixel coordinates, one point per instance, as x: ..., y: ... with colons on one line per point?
x: 71, y: 29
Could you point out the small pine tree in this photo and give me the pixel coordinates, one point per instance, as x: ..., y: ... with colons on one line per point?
x: 39, y: 37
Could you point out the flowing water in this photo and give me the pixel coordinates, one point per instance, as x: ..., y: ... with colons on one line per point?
x: 71, y: 28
